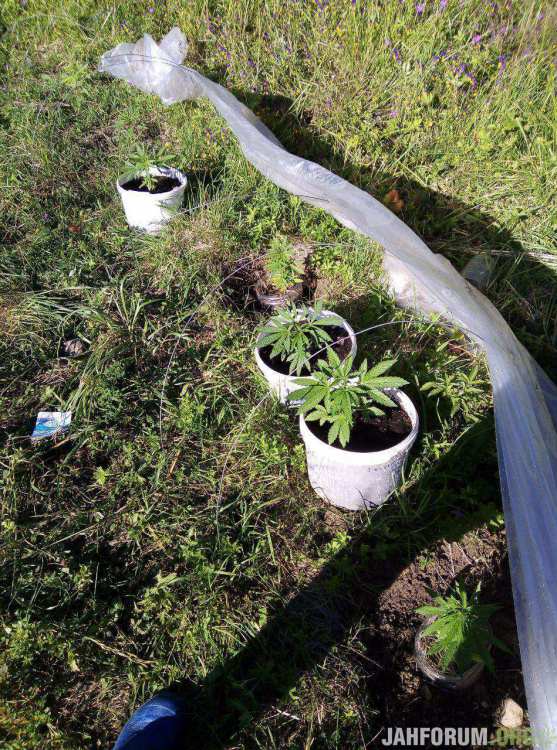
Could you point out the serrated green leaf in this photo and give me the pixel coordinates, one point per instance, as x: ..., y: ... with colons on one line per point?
x: 389, y: 381
x: 381, y: 367
x: 382, y: 398
x: 333, y: 432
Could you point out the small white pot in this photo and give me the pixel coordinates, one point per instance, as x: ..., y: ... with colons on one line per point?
x: 147, y: 211
x: 356, y: 480
x: 281, y: 385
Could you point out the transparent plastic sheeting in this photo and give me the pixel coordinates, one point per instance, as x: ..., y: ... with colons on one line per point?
x: 525, y: 398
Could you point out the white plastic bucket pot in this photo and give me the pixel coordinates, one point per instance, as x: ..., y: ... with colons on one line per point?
x: 280, y: 384
x: 354, y: 480
x: 151, y: 211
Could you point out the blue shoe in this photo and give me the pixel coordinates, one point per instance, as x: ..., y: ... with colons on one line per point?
x: 158, y: 724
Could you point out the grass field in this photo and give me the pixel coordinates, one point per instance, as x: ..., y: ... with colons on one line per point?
x: 173, y: 538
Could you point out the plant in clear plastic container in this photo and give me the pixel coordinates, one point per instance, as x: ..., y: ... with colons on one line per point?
x: 283, y: 275
x: 454, y: 643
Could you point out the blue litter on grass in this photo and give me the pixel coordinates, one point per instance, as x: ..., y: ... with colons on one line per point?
x: 158, y: 724
x: 50, y: 423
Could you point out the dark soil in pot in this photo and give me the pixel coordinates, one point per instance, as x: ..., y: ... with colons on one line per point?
x: 372, y: 433
x: 341, y: 344
x: 163, y: 184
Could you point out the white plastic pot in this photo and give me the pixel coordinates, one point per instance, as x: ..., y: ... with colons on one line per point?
x: 280, y: 384
x: 151, y: 211
x: 354, y: 480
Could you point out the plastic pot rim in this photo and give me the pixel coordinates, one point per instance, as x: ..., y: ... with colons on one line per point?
x: 359, y: 457
x: 434, y: 674
x: 158, y: 172
x: 325, y: 314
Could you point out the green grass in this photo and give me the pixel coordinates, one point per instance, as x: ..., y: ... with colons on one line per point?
x: 175, y: 533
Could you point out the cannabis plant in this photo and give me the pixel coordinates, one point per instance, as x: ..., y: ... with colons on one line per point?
x: 284, y: 271
x: 460, y: 634
x: 335, y: 394
x: 141, y: 162
x: 296, y: 333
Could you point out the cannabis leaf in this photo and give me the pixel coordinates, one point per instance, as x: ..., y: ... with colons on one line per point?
x: 141, y: 162
x: 335, y: 393
x: 283, y: 270
x: 460, y: 634
x: 293, y: 332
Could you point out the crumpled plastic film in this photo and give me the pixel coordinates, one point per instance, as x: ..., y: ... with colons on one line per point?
x: 525, y: 398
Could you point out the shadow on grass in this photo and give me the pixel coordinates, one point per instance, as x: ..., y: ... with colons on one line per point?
x: 347, y: 594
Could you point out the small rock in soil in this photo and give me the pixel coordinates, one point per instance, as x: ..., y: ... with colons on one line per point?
x: 511, y: 714
x: 72, y: 348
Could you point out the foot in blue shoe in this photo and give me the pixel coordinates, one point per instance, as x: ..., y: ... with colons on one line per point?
x: 158, y: 724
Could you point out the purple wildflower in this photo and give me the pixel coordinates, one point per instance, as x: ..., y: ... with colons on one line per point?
x: 46, y: 216
x: 473, y: 80
x: 476, y: 39
x: 440, y: 56
x: 396, y: 54
x: 420, y: 7
x: 151, y: 9
x: 393, y: 113
x: 443, y: 4
x: 462, y: 70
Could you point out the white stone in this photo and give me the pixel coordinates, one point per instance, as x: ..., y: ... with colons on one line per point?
x: 511, y: 714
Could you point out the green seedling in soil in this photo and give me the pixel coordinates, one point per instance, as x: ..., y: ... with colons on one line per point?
x: 335, y: 394
x: 142, y: 161
x: 460, y: 635
x: 283, y: 269
x: 293, y: 332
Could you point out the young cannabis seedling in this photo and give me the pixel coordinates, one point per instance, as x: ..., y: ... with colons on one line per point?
x: 141, y: 162
x: 335, y: 394
x: 293, y: 332
x: 284, y: 272
x: 460, y: 635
